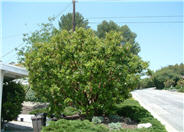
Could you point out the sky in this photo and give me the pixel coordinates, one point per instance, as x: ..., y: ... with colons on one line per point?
x: 160, y: 38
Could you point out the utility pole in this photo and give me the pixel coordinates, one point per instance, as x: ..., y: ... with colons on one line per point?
x: 73, y: 17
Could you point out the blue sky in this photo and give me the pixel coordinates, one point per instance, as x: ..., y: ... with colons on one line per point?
x: 161, y: 43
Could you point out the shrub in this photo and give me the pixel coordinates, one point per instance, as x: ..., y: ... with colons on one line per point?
x: 172, y: 72
x: 115, y: 118
x: 38, y: 111
x: 181, y: 90
x: 131, y: 108
x: 169, y: 83
x: 97, y: 119
x: 180, y: 84
x: 80, y: 69
x: 13, y: 97
x: 74, y: 126
x: 115, y: 125
x: 69, y: 111
x: 146, y: 83
x: 86, y: 126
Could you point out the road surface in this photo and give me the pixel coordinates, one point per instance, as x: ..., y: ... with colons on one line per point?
x: 166, y: 106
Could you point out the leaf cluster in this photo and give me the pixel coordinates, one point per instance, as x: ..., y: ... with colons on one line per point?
x: 171, y: 72
x: 13, y: 97
x: 80, y: 69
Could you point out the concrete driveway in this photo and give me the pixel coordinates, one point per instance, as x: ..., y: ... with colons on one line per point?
x: 166, y: 106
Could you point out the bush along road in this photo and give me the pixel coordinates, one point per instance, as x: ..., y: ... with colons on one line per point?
x: 130, y: 111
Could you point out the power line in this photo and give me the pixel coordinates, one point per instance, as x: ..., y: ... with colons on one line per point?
x: 16, y: 35
x: 111, y: 17
x: 11, y: 36
x: 11, y: 51
x: 143, y: 22
x: 135, y: 17
x: 63, y: 10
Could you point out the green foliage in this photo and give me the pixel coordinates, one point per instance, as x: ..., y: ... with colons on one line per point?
x: 180, y: 84
x: 86, y: 126
x: 115, y: 118
x: 69, y: 111
x: 41, y: 35
x: 146, y: 83
x: 127, y: 35
x: 85, y: 71
x: 115, y: 125
x: 97, y: 119
x: 131, y: 108
x: 172, y: 72
x: 38, y: 111
x: 13, y: 97
x: 65, y: 22
x: 106, y: 27
x: 74, y: 126
x: 169, y: 83
x: 30, y: 94
x: 181, y: 90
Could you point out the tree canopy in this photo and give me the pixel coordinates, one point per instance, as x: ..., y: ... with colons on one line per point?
x: 173, y: 73
x: 171, y: 76
x: 65, y: 22
x: 126, y: 33
x: 46, y: 31
x: 81, y: 69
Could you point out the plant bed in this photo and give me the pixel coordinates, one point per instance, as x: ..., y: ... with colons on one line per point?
x: 115, y: 122
x: 128, y: 115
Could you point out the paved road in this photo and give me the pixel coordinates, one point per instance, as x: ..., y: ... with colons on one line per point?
x: 166, y: 106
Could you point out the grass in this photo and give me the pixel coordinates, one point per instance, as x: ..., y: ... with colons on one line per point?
x: 132, y: 109
x: 129, y: 108
x: 181, y: 90
x: 176, y: 89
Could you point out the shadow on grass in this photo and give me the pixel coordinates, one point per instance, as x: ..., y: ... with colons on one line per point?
x: 136, y: 113
x: 139, y: 114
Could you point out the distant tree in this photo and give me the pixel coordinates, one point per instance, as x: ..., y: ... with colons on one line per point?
x: 180, y: 84
x: 146, y: 83
x: 126, y: 33
x: 106, y: 27
x: 169, y: 83
x: 171, y: 72
x: 66, y: 21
